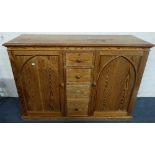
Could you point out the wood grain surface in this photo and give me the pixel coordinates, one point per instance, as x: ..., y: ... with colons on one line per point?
x: 78, y: 40
x: 79, y: 59
x: 56, y: 80
x: 78, y: 75
x: 39, y: 80
x: 115, y: 82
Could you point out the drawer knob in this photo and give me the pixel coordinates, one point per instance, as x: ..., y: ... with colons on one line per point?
x: 76, y: 109
x: 78, y: 61
x: 77, y: 77
x: 94, y: 84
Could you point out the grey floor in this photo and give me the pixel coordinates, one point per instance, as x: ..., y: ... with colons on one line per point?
x: 144, y: 112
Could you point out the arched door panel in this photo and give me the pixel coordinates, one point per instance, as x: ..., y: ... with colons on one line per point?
x: 39, y: 78
x: 116, y: 77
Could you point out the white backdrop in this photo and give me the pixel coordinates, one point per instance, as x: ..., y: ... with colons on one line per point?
x: 78, y: 16
x: 8, y: 88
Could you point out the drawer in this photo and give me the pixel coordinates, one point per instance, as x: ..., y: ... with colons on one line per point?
x: 78, y: 75
x: 79, y: 59
x: 77, y: 107
x: 78, y: 91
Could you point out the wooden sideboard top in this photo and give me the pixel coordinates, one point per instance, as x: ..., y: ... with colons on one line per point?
x: 42, y: 40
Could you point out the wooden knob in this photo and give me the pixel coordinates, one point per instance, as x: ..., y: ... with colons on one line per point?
x: 62, y: 84
x: 78, y: 61
x: 77, y: 77
x: 94, y: 84
x: 76, y: 109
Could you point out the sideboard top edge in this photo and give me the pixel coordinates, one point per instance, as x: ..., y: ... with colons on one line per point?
x: 77, y: 41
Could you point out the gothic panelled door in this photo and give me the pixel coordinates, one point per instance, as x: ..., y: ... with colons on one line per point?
x: 115, y: 80
x: 40, y: 80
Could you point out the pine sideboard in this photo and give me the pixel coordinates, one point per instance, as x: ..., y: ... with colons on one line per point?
x: 77, y: 77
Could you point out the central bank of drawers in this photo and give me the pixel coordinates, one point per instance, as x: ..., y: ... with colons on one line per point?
x: 78, y: 79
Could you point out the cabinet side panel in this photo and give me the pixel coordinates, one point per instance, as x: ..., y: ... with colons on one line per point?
x: 14, y: 66
x: 140, y: 71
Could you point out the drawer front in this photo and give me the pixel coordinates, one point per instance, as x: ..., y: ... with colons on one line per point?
x: 77, y: 107
x: 78, y: 75
x: 78, y: 91
x: 79, y: 59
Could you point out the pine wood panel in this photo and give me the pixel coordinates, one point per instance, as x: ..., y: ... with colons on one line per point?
x: 40, y: 81
x: 78, y: 91
x: 77, y: 107
x: 79, y: 59
x: 76, y: 75
x: 116, y: 77
x: 30, y: 82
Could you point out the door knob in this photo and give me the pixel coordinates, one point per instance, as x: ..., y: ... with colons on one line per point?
x: 94, y: 84
x: 62, y: 84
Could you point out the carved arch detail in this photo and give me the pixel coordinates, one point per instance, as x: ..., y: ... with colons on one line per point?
x: 115, y: 58
x: 22, y: 67
x: 110, y: 61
